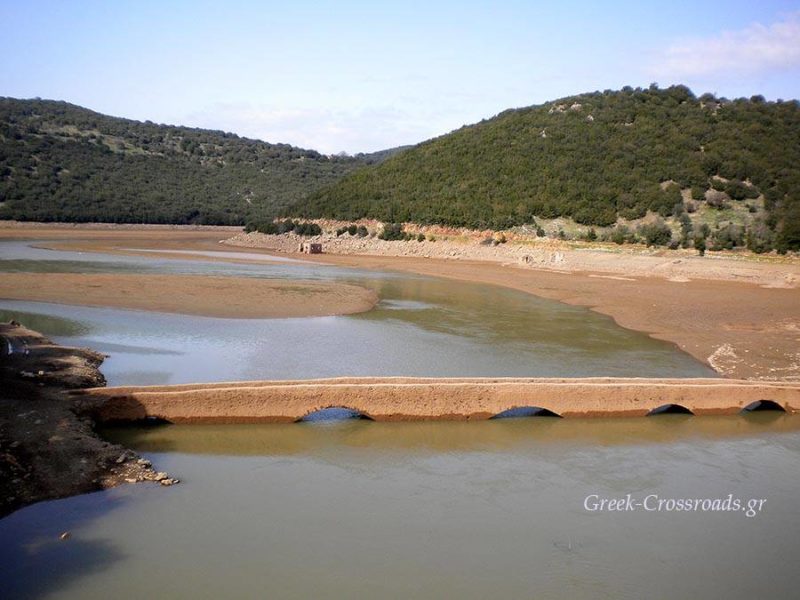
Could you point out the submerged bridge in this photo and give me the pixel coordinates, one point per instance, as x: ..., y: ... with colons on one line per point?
x: 410, y: 399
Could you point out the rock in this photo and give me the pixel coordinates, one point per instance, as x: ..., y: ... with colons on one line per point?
x: 120, y: 459
x: 144, y: 462
x: 160, y: 476
x: 170, y: 481
x: 65, y: 536
x: 130, y: 480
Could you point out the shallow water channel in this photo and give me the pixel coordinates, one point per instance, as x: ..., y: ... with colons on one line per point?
x: 422, y: 326
x: 360, y: 509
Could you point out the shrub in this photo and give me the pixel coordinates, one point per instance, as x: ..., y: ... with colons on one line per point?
x: 420, y: 237
x: 621, y: 234
x: 716, y: 199
x: 686, y: 230
x: 392, y: 232
x: 362, y: 231
x: 700, y: 245
x: 698, y: 193
x: 760, y: 238
x: 739, y: 191
x: 727, y: 238
x: 656, y: 233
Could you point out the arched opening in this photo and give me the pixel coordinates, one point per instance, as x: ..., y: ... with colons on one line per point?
x: 333, y: 413
x: 763, y: 405
x: 670, y: 409
x: 525, y: 411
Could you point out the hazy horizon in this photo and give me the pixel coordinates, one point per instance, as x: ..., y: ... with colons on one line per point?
x: 355, y: 77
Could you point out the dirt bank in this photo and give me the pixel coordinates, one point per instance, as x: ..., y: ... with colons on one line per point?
x: 46, y: 450
x: 410, y: 399
x: 226, y: 297
x: 738, y: 313
x: 742, y: 317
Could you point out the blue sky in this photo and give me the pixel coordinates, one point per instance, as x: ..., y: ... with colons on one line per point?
x: 361, y: 76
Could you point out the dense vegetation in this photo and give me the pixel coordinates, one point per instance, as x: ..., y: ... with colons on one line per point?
x: 288, y: 226
x: 593, y: 157
x: 63, y: 162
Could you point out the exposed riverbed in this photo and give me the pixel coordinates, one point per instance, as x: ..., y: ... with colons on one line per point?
x: 430, y: 510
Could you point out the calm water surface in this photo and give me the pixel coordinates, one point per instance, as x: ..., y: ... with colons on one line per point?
x: 423, y: 327
x: 397, y: 510
x: 426, y: 510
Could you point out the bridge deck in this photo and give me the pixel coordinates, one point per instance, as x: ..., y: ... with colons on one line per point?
x: 407, y: 399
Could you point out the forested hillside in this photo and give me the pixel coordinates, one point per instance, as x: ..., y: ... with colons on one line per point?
x: 593, y: 157
x: 62, y: 162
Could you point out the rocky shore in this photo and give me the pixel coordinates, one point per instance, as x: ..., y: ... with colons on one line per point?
x: 48, y: 449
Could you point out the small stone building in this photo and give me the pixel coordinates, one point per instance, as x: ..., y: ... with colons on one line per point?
x: 311, y: 248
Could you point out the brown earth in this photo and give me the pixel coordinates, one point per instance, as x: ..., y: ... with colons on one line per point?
x: 46, y: 449
x: 225, y: 297
x: 739, y: 313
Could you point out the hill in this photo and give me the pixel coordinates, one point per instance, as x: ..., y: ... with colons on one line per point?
x: 63, y: 162
x: 596, y: 157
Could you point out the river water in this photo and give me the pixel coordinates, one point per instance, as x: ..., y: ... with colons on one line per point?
x: 398, y: 510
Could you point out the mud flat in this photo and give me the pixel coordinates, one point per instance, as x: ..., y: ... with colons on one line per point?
x: 225, y: 297
x: 410, y: 399
x: 740, y: 314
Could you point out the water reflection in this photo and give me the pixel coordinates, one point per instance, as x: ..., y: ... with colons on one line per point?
x: 506, y: 435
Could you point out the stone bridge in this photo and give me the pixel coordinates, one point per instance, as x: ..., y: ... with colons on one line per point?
x: 409, y: 399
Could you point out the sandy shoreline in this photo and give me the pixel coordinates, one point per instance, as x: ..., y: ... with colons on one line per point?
x: 224, y: 297
x: 743, y: 327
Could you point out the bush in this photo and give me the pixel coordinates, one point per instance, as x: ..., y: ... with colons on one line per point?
x: 420, y: 237
x: 686, y: 230
x: 362, y: 231
x: 717, y: 199
x: 760, y: 238
x: 392, y: 232
x: 273, y: 228
x: 621, y: 234
x: 656, y: 233
x: 727, y: 238
x: 739, y: 191
x: 700, y: 245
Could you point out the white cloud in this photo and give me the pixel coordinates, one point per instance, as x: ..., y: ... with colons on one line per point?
x: 327, y: 130
x: 754, y: 50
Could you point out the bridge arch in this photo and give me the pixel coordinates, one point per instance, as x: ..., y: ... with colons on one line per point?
x: 333, y: 413
x: 525, y: 411
x: 761, y: 405
x: 670, y: 409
